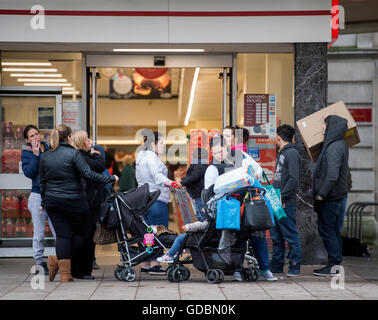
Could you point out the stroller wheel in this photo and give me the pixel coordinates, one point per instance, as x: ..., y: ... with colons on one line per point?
x: 128, y: 274
x: 212, y: 276
x: 118, y: 272
x: 221, y: 275
x: 170, y: 274
x: 180, y: 273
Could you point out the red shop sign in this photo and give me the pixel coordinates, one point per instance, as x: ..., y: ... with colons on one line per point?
x: 361, y: 115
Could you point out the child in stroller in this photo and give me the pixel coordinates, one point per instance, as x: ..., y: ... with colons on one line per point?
x: 215, y: 252
x: 137, y: 241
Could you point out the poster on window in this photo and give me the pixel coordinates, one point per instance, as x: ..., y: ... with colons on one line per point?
x: 72, y: 114
x: 142, y: 83
x: 46, y: 118
x: 260, y: 115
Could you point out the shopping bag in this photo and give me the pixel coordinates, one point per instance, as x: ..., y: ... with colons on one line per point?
x: 256, y: 214
x: 273, y: 200
x: 228, y: 214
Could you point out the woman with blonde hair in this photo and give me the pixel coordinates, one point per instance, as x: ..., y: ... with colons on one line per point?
x: 82, y: 261
x: 61, y: 169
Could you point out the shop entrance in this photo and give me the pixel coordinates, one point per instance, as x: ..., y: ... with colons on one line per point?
x: 129, y: 93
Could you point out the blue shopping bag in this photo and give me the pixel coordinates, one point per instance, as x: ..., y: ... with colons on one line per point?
x: 273, y: 200
x: 228, y: 214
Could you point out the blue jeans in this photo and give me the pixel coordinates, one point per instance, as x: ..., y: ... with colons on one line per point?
x: 342, y: 212
x: 39, y: 218
x: 329, y: 228
x: 286, y: 229
x: 158, y: 214
x: 177, y: 244
x: 199, y: 205
x: 260, y: 252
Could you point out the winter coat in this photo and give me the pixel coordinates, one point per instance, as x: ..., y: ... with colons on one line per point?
x: 30, y: 164
x: 127, y: 180
x: 194, y: 179
x: 286, y: 176
x: 94, y: 191
x: 196, y: 226
x: 330, y: 175
x: 150, y: 169
x: 61, y: 171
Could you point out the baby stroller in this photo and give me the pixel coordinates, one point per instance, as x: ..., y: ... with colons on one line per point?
x: 136, y: 239
x: 214, y: 252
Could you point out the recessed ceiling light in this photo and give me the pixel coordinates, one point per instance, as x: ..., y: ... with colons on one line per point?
x: 30, y: 70
x: 37, y: 75
x: 28, y: 84
x: 158, y: 50
x: 41, y: 80
x: 66, y: 93
x: 35, y: 64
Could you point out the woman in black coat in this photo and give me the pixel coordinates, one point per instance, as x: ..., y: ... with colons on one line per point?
x: 194, y: 179
x: 61, y: 169
x: 82, y: 263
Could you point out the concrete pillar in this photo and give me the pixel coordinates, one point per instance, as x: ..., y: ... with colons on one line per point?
x: 310, y: 96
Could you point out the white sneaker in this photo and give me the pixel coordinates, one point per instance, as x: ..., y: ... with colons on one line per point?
x: 237, y: 276
x: 267, y: 275
x: 165, y: 259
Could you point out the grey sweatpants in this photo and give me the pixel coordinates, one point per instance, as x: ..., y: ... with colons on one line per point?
x: 39, y: 218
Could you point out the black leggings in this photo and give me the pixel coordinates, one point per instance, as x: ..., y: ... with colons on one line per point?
x: 70, y: 221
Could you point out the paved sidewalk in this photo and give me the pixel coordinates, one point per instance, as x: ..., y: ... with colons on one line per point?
x: 15, y: 284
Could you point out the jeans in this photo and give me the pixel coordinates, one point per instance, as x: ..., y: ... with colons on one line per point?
x: 285, y: 229
x: 260, y: 251
x: 39, y: 218
x: 329, y: 228
x: 177, y: 244
x: 158, y: 214
x: 342, y: 212
x: 199, y: 205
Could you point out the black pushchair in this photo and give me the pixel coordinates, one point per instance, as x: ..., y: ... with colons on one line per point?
x: 214, y: 252
x: 137, y: 242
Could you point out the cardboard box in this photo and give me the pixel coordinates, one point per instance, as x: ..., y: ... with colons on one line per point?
x: 310, y: 128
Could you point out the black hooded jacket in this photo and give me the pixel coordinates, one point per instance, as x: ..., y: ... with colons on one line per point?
x: 286, y: 176
x: 330, y: 176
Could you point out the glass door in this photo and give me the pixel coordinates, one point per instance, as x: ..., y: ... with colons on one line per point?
x: 20, y: 106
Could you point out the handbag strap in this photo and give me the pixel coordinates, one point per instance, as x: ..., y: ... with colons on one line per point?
x: 266, y: 178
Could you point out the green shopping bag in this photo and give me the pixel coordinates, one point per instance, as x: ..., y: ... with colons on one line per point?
x: 273, y: 196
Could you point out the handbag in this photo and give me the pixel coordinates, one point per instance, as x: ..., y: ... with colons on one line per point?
x: 104, y: 235
x: 256, y: 213
x: 109, y: 214
x: 228, y: 214
x: 273, y: 199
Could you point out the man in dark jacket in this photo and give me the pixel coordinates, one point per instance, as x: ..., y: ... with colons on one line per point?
x: 30, y: 157
x: 286, y: 178
x: 330, y: 187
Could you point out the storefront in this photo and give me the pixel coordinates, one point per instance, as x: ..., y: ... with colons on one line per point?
x: 213, y: 63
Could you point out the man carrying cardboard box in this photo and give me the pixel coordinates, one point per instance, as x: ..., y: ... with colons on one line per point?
x: 330, y: 188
